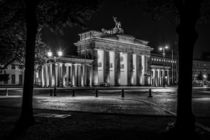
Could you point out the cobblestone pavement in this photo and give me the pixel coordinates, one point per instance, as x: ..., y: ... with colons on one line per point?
x: 135, y: 101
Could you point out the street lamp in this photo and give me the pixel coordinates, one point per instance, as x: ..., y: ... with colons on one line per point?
x: 50, y: 55
x: 163, y: 49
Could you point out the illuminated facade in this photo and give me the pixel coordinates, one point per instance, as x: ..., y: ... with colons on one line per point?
x: 108, y: 57
x: 66, y: 72
x: 119, y: 59
x: 164, y: 71
x: 201, y: 72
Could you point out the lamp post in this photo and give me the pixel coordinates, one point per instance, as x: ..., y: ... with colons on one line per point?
x: 163, y: 49
x: 50, y: 55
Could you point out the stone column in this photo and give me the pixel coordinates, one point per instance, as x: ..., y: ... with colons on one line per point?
x: 53, y: 74
x: 154, y: 77
x: 56, y: 74
x: 143, y: 70
x: 112, y: 67
x: 76, y: 74
x: 64, y: 75
x: 50, y: 74
x: 73, y: 75
x: 91, y: 76
x: 159, y: 83
x: 123, y: 68
x: 46, y: 75
x: 61, y: 75
x: 168, y: 77
x: 147, y: 69
x: 70, y: 75
x: 67, y: 75
x: 42, y: 76
x: 82, y: 75
x: 95, y: 68
x: 79, y: 75
x: 134, y: 69
x: 117, y: 67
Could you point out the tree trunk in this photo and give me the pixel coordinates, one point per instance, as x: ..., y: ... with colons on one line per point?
x: 189, y: 14
x: 26, y: 118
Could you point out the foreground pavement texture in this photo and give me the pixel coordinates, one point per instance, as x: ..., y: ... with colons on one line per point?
x: 109, y: 116
x: 90, y: 104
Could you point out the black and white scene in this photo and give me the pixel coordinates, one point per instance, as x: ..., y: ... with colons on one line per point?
x: 104, y: 69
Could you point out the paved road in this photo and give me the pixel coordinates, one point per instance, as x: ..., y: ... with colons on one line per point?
x: 136, y: 101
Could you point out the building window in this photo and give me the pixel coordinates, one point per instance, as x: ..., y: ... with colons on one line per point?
x: 13, y: 66
x: 20, y: 79
x: 13, y: 79
x: 111, y: 65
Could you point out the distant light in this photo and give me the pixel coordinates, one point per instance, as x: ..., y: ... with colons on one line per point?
x: 49, y: 54
x: 205, y: 76
x: 160, y: 49
x: 166, y: 47
x: 60, y: 53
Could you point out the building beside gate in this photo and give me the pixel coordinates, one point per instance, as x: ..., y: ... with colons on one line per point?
x: 111, y: 57
x: 201, y: 72
x: 67, y: 71
x: 15, y: 74
x: 164, y: 70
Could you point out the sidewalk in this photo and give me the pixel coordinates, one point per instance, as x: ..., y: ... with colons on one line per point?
x: 87, y: 117
x: 90, y: 126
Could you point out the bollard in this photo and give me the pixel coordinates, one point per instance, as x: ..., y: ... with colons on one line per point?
x: 7, y: 92
x: 54, y: 91
x: 150, y: 92
x: 73, y: 93
x: 96, y: 92
x: 123, y: 94
x: 51, y: 92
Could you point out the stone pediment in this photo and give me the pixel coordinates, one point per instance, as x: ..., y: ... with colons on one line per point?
x: 115, y: 37
x: 126, y: 38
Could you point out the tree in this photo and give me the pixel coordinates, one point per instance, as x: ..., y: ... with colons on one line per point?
x: 186, y: 14
x: 12, y: 48
x: 189, y: 13
x: 35, y: 15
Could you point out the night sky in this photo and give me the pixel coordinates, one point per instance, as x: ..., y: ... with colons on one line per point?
x: 134, y: 22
